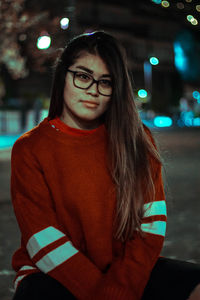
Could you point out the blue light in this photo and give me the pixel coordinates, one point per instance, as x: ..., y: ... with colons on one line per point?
x: 7, y: 141
x: 154, y: 61
x: 162, y: 121
x: 157, y: 1
x: 142, y: 93
x: 181, y: 61
x: 196, y: 122
x: 196, y: 95
x: 188, y: 122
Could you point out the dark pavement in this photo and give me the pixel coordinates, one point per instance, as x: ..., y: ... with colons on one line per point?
x: 180, y: 149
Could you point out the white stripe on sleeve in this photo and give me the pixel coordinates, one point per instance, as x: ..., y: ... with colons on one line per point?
x: 155, y: 208
x: 19, y: 278
x: 157, y: 227
x: 25, y: 268
x: 56, y: 257
x: 42, y: 239
x: 17, y: 281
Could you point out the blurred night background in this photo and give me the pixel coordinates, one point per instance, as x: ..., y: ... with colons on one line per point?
x: 162, y: 41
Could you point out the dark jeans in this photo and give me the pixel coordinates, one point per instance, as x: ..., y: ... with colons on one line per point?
x: 170, y: 280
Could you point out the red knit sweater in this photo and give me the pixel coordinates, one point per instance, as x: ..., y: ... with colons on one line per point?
x: 64, y: 201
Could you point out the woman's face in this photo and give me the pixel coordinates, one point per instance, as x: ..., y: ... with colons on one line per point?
x: 83, y: 108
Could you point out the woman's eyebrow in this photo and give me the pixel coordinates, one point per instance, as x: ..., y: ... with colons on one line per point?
x: 90, y: 71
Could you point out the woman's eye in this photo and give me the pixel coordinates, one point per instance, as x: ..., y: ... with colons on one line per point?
x: 106, y: 83
x: 82, y: 76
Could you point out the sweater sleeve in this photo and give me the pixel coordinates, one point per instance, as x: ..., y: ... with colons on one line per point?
x: 132, y: 271
x: 49, y: 248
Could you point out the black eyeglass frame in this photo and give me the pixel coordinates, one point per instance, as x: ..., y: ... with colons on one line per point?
x: 93, y: 81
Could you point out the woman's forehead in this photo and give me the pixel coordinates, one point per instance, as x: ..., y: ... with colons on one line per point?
x: 91, y: 61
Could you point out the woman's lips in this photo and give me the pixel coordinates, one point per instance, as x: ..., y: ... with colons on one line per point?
x: 90, y: 104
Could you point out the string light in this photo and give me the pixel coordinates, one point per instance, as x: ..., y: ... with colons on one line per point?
x: 190, y: 18
x: 165, y: 4
x: 180, y: 5
x: 198, y: 8
x: 64, y: 23
x: 194, y: 22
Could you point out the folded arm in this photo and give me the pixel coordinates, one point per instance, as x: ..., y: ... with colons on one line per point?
x: 133, y: 270
x: 49, y: 248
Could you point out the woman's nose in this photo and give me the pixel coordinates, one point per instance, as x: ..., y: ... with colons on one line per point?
x: 93, y: 89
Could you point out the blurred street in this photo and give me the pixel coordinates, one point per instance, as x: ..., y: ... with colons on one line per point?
x: 180, y: 148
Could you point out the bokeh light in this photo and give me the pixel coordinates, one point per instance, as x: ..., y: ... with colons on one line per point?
x: 198, y: 8
x: 180, y: 58
x: 196, y: 121
x: 190, y: 18
x: 142, y: 93
x: 162, y: 121
x: 154, y: 61
x: 194, y: 22
x: 196, y: 95
x: 44, y: 42
x: 22, y: 37
x: 165, y: 4
x: 64, y: 23
x: 157, y: 1
x: 180, y: 5
x: 189, y: 1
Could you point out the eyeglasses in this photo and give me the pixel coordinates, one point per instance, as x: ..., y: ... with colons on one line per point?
x: 84, y: 81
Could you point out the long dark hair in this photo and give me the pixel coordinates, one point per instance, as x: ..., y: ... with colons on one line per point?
x: 130, y: 149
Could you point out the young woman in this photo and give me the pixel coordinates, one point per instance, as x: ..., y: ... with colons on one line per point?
x: 87, y: 188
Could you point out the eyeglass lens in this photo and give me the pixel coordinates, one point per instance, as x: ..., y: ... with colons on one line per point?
x: 84, y: 81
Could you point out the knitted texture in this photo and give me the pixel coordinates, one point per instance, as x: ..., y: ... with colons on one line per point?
x: 64, y: 200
